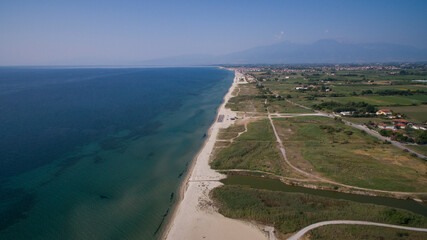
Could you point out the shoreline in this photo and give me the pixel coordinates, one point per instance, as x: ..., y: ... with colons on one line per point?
x: 184, y: 184
x: 193, y: 216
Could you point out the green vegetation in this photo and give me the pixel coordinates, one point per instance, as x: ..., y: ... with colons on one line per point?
x: 253, y: 150
x: 326, y: 147
x: 378, y: 87
x: 414, y: 113
x: 248, y: 99
x: 350, y: 156
x: 282, y: 106
x: 258, y: 131
x: 420, y: 136
x: 357, y: 108
x: 289, y: 212
x: 231, y: 132
x: 350, y: 232
x: 422, y: 149
x: 384, y: 101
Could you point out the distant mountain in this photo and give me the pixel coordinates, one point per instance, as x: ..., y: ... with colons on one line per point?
x: 323, y: 51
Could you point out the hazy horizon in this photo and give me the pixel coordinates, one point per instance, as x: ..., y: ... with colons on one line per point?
x: 110, y: 33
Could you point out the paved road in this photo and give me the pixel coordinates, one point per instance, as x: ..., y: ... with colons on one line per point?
x: 361, y: 127
x: 375, y: 134
x: 303, y: 231
x: 270, y: 231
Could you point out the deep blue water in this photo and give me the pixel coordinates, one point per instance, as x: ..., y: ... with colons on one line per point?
x: 99, y: 153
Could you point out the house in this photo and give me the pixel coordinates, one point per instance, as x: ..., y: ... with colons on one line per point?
x: 402, y: 121
x: 301, y: 88
x: 385, y: 126
x: 418, y: 127
x: 384, y: 112
x: 400, y: 125
x: 347, y: 113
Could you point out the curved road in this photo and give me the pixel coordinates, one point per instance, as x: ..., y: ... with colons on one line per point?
x: 303, y: 231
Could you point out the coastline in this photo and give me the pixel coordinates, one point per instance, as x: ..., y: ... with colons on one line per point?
x: 194, y: 216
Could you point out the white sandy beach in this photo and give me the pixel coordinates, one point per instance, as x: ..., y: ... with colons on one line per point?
x: 195, y: 217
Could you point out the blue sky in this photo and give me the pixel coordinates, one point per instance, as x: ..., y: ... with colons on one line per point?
x: 54, y: 32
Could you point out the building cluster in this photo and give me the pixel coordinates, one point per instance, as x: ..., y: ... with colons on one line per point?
x: 397, y: 121
x: 313, y: 87
x: 295, y: 69
x: 250, y: 78
x: 306, y: 87
x: 247, y: 69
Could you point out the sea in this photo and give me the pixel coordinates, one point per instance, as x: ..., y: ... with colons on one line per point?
x: 99, y: 153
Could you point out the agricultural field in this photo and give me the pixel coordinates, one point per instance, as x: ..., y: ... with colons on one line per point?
x: 382, y: 88
x: 413, y: 113
x: 331, y: 149
x: 383, y: 101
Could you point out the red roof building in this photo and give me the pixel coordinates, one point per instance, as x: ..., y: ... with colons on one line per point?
x: 384, y: 112
x: 404, y: 121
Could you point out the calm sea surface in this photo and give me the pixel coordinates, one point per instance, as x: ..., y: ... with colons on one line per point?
x: 99, y: 153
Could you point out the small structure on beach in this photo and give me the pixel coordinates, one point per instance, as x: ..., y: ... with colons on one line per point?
x: 221, y: 118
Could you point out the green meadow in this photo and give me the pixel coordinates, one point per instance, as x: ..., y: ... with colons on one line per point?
x: 347, y: 155
x: 289, y: 212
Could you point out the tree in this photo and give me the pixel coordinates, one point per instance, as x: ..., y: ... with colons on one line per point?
x: 422, y: 138
x: 403, y: 72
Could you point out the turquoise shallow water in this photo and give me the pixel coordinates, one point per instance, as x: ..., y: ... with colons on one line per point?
x: 99, y: 153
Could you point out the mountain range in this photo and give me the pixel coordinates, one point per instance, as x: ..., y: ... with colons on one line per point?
x: 322, y: 51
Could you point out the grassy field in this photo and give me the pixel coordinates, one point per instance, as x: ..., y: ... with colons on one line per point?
x: 419, y: 148
x: 231, y: 132
x: 289, y: 212
x: 347, y: 155
x: 350, y: 232
x: 253, y: 150
x: 282, y: 106
x: 414, y: 113
x: 367, y: 120
x: 378, y: 100
x: 248, y: 99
